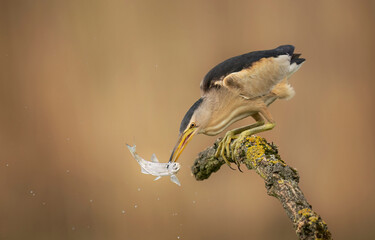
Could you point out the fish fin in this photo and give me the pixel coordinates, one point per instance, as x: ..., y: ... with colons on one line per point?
x: 154, y: 159
x: 175, y: 180
x: 144, y: 171
x: 157, y: 178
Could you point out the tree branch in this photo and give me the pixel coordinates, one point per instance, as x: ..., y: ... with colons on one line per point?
x: 281, y: 182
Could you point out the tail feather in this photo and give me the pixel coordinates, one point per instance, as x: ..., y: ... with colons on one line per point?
x: 295, y: 64
x: 296, y: 59
x: 296, y: 55
x: 283, y: 89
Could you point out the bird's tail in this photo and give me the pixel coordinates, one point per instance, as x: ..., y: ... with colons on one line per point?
x: 296, y: 59
x: 295, y: 64
x: 283, y: 89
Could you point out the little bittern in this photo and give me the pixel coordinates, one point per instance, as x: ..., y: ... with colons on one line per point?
x: 237, y: 88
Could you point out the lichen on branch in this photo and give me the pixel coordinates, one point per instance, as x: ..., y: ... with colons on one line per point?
x: 281, y: 181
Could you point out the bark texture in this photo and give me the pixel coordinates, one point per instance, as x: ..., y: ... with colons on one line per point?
x: 281, y: 181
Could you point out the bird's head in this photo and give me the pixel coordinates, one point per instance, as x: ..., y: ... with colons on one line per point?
x: 194, y: 122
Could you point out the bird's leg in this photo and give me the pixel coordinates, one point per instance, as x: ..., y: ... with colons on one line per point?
x: 264, y: 127
x: 224, y: 144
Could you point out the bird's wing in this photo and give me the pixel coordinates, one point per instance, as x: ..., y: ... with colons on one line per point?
x: 259, y: 79
x: 252, y: 74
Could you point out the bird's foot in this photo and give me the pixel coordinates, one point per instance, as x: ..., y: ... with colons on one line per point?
x: 236, y: 145
x: 226, y: 146
x: 223, y: 148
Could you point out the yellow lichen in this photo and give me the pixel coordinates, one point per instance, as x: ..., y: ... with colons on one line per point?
x: 257, y: 148
x: 276, y: 161
x: 310, y: 215
x: 261, y: 174
x: 256, y: 151
x: 313, y: 219
x: 306, y: 212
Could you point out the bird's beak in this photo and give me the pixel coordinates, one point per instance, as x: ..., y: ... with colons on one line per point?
x: 183, y: 140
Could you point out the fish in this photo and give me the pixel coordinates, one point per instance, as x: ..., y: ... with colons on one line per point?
x: 156, y: 168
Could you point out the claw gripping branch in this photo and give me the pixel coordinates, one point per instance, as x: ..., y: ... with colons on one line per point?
x: 281, y: 182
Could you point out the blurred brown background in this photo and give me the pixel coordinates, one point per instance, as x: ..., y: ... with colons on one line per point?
x: 79, y: 79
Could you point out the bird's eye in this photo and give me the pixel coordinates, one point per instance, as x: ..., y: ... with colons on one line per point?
x: 192, y: 125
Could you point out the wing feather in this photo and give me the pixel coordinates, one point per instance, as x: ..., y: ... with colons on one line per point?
x: 259, y: 79
x: 239, y: 63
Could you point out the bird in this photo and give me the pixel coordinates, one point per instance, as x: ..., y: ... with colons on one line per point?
x: 239, y: 87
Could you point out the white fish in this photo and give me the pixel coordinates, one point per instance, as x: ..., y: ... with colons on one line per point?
x: 156, y: 168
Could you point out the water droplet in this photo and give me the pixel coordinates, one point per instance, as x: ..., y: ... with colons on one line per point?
x: 178, y: 237
x: 135, y: 206
x: 68, y: 171
x: 91, y: 200
x: 123, y: 211
x: 194, y: 201
x: 139, y: 189
x: 33, y: 194
x: 31, y: 191
x: 7, y: 165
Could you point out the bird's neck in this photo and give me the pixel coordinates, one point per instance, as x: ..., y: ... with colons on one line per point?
x: 224, y: 113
